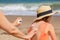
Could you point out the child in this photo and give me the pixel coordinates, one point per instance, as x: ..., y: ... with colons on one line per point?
x: 42, y: 24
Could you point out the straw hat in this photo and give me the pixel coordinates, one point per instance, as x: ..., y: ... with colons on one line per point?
x: 44, y: 11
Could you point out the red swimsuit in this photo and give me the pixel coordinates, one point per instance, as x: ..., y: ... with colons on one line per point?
x: 42, y: 35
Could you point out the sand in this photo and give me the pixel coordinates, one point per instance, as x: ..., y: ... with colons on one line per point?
x: 27, y: 20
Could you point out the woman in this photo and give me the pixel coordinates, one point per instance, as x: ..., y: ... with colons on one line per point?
x: 42, y: 25
x: 10, y: 27
x: 16, y: 23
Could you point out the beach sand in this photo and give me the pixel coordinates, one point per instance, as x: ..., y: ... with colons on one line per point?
x: 27, y: 20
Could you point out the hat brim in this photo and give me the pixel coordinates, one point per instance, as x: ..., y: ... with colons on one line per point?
x: 44, y: 16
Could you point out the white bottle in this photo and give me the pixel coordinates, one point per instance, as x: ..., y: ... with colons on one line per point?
x: 19, y: 21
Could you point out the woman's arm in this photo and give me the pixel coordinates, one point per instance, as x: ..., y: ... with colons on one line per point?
x: 52, y: 33
x: 8, y: 27
x: 31, y: 34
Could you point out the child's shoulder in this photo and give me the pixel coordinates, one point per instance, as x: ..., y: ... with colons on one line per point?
x: 50, y: 26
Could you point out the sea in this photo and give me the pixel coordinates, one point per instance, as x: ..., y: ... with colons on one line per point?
x: 27, y: 10
x: 26, y: 7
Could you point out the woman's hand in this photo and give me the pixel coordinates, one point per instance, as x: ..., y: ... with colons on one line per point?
x: 35, y: 26
x: 28, y: 38
x: 18, y: 21
x: 10, y: 28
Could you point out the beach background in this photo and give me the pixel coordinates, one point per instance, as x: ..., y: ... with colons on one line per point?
x: 27, y: 11
x: 27, y: 20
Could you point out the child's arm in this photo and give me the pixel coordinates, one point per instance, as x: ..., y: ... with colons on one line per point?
x: 52, y: 33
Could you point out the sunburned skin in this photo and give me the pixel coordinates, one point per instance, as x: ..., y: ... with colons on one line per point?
x: 12, y: 29
x: 43, y: 31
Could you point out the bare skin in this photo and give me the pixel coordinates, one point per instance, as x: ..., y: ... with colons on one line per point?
x: 49, y: 29
x: 11, y: 29
x: 52, y: 32
x: 8, y: 27
x: 15, y: 23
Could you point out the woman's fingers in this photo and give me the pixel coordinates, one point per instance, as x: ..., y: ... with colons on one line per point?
x: 18, y: 21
